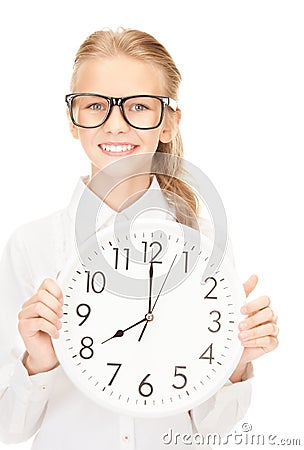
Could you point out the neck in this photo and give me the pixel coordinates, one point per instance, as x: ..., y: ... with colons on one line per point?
x: 118, y: 194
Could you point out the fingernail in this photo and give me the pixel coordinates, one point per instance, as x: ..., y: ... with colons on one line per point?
x: 243, y: 326
x: 243, y: 335
x: 244, y: 309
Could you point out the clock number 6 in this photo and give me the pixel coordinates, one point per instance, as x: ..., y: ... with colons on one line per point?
x: 146, y: 386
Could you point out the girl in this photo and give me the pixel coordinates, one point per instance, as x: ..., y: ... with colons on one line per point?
x: 35, y: 394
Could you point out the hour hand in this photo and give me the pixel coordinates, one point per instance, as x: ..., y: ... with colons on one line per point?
x: 120, y: 333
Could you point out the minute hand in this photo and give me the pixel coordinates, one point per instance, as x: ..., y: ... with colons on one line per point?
x: 158, y: 295
x: 160, y: 291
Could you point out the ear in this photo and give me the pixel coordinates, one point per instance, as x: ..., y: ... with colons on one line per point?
x: 170, y: 127
x: 73, y: 129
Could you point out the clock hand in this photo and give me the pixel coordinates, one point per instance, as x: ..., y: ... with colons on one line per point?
x: 149, y: 316
x: 160, y: 291
x: 150, y: 286
x: 120, y: 333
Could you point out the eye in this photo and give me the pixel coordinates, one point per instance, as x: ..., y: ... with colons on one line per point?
x: 96, y: 107
x: 138, y: 107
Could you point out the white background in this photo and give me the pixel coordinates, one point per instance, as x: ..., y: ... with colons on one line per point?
x: 243, y: 108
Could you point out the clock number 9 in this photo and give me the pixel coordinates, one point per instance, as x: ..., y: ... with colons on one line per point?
x: 84, y: 314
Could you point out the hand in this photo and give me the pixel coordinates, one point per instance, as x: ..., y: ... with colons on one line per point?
x: 258, y: 332
x: 38, y: 322
x: 120, y: 333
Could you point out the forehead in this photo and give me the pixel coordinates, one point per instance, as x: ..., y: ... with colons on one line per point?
x: 119, y: 76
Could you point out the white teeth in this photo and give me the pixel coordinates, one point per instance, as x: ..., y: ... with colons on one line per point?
x: 117, y: 148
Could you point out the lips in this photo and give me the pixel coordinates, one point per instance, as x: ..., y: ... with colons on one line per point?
x: 116, y: 149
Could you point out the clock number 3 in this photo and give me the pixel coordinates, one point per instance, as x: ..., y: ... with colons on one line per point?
x: 216, y: 321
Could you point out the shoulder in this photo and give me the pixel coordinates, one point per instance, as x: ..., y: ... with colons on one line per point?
x: 34, y: 249
x: 35, y: 244
x: 205, y: 227
x: 38, y: 230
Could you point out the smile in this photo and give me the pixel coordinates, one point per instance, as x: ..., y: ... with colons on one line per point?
x: 117, y: 148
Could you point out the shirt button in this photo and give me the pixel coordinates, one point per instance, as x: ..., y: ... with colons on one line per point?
x: 126, y: 438
x: 43, y: 388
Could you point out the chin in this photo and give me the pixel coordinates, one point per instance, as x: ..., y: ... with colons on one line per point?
x: 128, y: 166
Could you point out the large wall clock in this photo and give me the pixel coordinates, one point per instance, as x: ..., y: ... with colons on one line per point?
x: 144, y: 333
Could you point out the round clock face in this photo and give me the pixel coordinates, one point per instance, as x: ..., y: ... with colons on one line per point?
x: 143, y: 333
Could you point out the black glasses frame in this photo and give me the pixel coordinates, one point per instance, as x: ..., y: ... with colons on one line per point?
x: 120, y: 101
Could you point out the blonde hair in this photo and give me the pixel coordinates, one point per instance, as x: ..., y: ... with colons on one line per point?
x: 144, y: 47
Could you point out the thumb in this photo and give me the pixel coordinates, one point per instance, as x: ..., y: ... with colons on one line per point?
x: 250, y: 284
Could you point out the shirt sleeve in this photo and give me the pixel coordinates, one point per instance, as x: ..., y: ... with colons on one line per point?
x: 23, y: 398
x: 225, y: 409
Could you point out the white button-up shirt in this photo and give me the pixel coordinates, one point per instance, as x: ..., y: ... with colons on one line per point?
x: 48, y: 404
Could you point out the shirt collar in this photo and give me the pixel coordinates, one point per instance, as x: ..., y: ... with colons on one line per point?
x: 84, y: 203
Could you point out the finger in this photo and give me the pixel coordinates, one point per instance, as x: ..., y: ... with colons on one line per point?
x: 39, y: 309
x: 45, y: 297
x: 250, y: 284
x: 52, y: 287
x: 262, y: 316
x: 268, y: 329
x: 267, y: 343
x: 29, y: 327
x: 256, y: 305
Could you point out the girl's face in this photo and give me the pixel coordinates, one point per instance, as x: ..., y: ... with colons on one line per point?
x: 121, y: 76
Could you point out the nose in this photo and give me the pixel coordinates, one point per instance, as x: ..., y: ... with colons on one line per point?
x: 115, y: 123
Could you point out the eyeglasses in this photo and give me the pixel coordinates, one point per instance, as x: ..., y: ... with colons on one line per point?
x: 144, y: 112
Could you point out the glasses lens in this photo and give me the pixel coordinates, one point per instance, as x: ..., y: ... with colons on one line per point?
x: 89, y: 110
x: 143, y: 111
